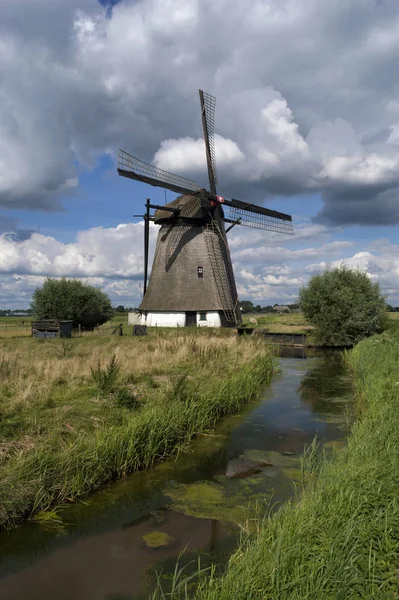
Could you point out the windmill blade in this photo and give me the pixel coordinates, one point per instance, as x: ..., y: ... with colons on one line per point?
x: 258, y: 217
x: 134, y: 168
x: 208, y: 103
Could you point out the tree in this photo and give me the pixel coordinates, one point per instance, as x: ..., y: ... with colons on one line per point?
x: 120, y: 308
x: 246, y: 306
x: 71, y: 299
x: 344, y: 306
x: 267, y: 309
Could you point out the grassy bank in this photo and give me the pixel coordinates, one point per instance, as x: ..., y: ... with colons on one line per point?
x: 76, y: 414
x: 340, y: 539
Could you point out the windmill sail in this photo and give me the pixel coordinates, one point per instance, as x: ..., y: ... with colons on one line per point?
x: 208, y: 103
x: 258, y: 217
x: 134, y: 168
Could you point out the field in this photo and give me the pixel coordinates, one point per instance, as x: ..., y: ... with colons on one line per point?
x: 80, y: 412
x: 278, y: 323
x: 273, y: 322
x: 15, y: 326
x: 284, y: 323
x: 21, y: 326
x: 340, y: 538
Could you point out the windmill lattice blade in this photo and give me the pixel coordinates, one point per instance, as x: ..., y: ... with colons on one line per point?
x: 255, y: 220
x: 208, y: 104
x: 134, y: 168
x: 260, y: 210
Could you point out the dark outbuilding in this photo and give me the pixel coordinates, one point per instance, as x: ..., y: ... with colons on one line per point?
x: 52, y: 328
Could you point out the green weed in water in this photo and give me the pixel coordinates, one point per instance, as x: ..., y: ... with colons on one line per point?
x: 157, y: 539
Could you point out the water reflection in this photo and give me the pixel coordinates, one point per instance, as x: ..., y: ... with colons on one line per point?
x: 101, y: 549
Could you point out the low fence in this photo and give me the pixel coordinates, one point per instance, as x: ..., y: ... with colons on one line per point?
x: 19, y: 328
x: 285, y: 339
x: 282, y: 339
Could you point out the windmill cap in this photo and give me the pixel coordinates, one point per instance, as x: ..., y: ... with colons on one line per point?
x: 191, y: 207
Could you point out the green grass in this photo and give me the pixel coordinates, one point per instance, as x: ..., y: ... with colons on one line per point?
x: 286, y: 322
x: 15, y: 326
x: 340, y: 538
x: 76, y: 414
x: 279, y: 323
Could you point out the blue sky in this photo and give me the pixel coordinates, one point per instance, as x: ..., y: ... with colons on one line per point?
x: 307, y: 122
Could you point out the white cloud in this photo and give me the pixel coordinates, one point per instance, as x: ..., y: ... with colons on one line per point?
x: 16, y: 290
x: 97, y: 252
x: 380, y: 261
x: 187, y: 154
x: 112, y: 259
x: 306, y: 96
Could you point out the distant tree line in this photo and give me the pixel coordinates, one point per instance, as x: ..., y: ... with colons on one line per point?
x: 392, y: 308
x: 120, y: 308
x: 17, y: 312
x: 247, y: 306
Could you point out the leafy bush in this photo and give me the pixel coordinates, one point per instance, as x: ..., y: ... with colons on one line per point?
x: 106, y: 378
x: 71, y: 299
x: 344, y: 306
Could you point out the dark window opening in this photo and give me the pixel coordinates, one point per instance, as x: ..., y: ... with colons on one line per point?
x: 202, y: 316
x: 200, y: 273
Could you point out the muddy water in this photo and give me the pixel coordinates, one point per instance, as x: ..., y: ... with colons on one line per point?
x: 107, y: 547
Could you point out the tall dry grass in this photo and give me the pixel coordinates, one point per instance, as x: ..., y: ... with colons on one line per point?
x: 74, y: 415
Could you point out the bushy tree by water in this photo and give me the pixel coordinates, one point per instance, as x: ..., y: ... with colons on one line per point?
x: 344, y: 306
x: 71, y: 299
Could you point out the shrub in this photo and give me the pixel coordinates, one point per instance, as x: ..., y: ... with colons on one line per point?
x: 105, y: 378
x: 71, y: 299
x: 344, y: 306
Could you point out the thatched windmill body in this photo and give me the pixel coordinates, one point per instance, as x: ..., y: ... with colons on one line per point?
x: 192, y: 280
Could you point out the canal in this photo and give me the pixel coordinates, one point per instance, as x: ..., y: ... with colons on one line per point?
x: 111, y: 545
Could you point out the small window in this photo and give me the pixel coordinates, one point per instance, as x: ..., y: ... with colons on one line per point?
x: 200, y: 272
x: 202, y: 316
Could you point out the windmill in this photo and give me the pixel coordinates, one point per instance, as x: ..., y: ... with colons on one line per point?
x: 192, y: 280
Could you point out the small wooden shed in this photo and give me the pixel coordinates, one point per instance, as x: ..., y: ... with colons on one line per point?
x: 51, y: 328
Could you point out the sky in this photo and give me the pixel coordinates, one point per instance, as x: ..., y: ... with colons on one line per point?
x: 307, y: 122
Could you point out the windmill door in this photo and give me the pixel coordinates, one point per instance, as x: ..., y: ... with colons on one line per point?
x: 191, y: 318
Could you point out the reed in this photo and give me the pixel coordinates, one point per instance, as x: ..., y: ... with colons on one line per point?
x: 71, y: 422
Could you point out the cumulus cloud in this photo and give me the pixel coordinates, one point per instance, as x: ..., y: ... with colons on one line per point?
x: 112, y: 259
x: 187, y: 154
x: 98, y: 252
x: 16, y: 290
x: 380, y: 260
x: 306, y: 97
